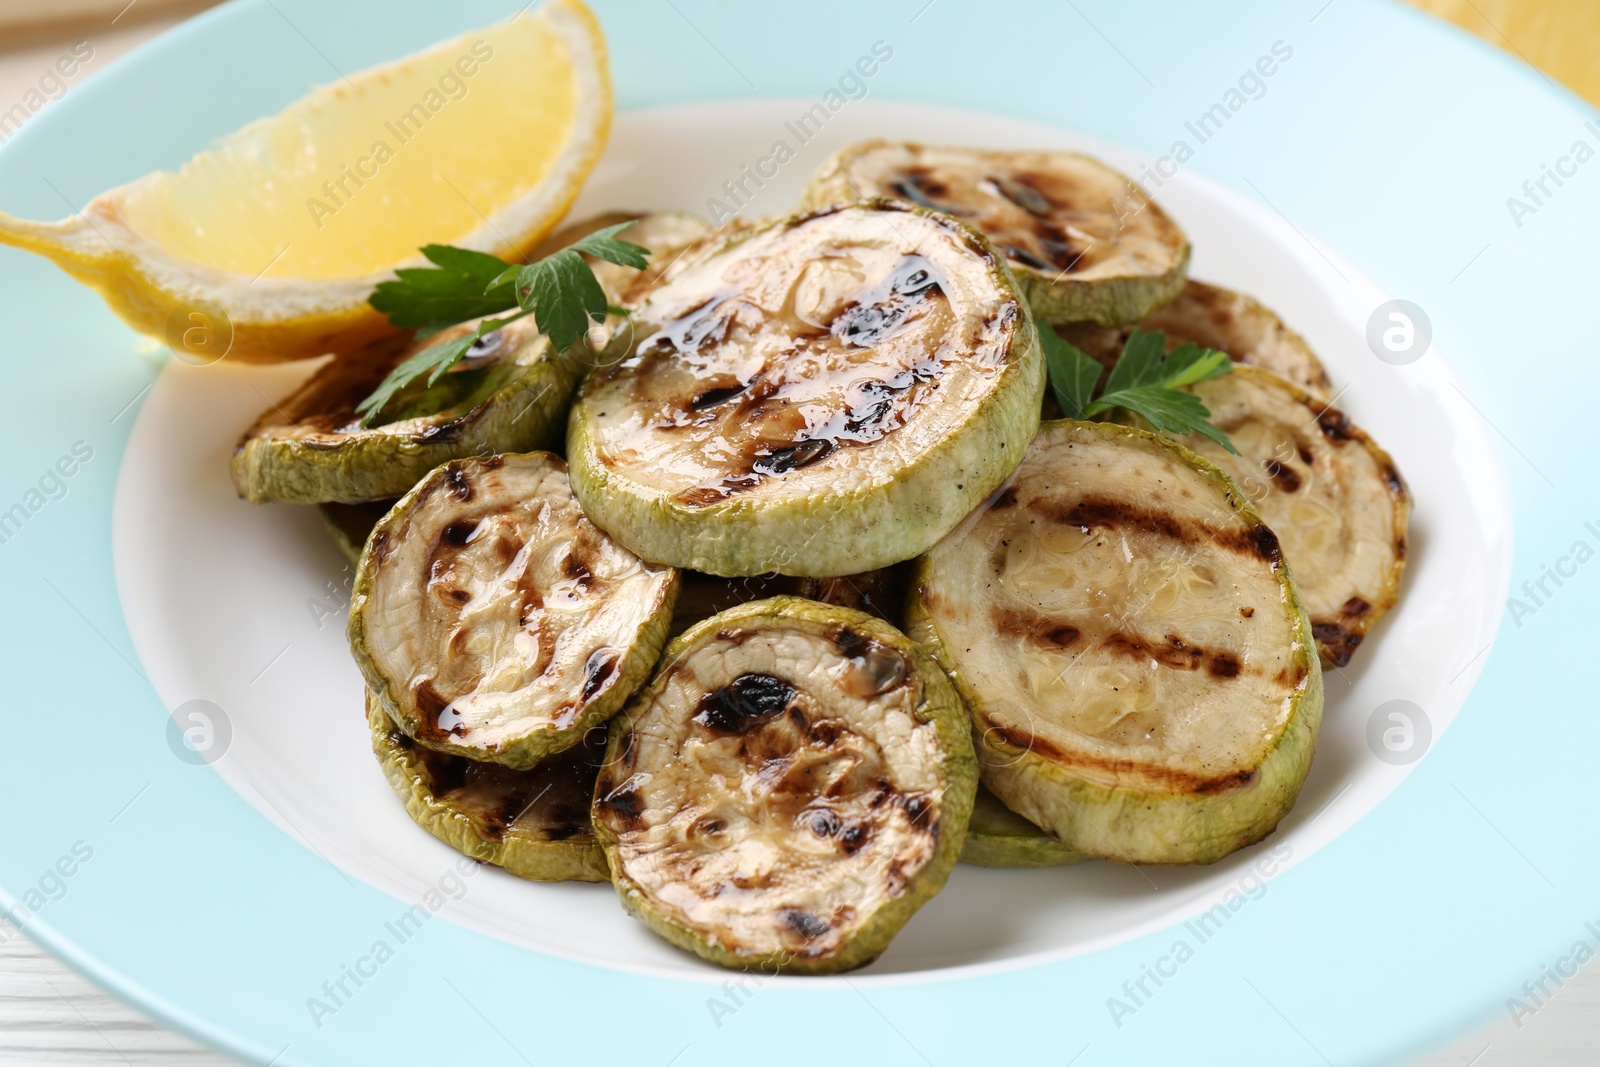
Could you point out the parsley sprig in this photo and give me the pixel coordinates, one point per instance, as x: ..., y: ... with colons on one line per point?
x: 560, y: 291
x: 1146, y: 381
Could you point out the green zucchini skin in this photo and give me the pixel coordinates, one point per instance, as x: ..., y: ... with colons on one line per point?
x: 847, y: 512
x: 1084, y: 242
x: 308, y: 448
x: 1095, y: 804
x: 624, y: 790
x: 405, y: 642
x: 533, y: 824
x: 999, y: 837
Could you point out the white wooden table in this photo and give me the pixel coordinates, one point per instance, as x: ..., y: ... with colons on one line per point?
x: 51, y: 1017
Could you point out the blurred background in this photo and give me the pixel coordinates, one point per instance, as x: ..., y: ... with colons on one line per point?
x: 50, y: 1017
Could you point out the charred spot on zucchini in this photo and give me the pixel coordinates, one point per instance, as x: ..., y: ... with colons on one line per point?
x: 1139, y: 668
x: 1335, y: 498
x: 792, y: 785
x: 999, y: 837
x: 533, y: 823
x: 825, y: 395
x: 1084, y: 242
x: 1214, y: 317
x: 509, y: 395
x: 493, y: 621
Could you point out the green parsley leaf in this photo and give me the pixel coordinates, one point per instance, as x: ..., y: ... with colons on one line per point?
x: 1072, y: 374
x: 603, y: 244
x: 560, y: 291
x: 1145, y: 382
x: 433, y: 361
x: 563, y: 295
x: 465, y: 286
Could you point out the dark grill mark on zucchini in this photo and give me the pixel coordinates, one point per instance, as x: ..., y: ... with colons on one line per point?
x: 1086, y: 514
x: 1042, y: 631
x: 1166, y: 777
x: 1338, y: 639
x: 710, y: 398
x: 1023, y: 256
x: 822, y: 822
x: 1223, y: 665
x: 804, y: 923
x: 1335, y: 426
x: 880, y: 312
x: 378, y: 546
x: 824, y: 732
x: 1335, y: 642
x: 1263, y: 543
x: 458, y: 533
x: 436, y: 721
x: 1058, y: 248
x: 622, y: 806
x: 918, y: 185
x: 704, y: 323
x: 748, y: 701
x: 1175, y: 653
x: 919, y: 809
x: 600, y: 668
x: 1282, y: 476
x: 785, y: 458
x: 1391, y: 478
x: 577, y: 570
x: 1022, y: 193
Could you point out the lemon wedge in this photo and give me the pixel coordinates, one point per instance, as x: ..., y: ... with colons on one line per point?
x: 265, y: 247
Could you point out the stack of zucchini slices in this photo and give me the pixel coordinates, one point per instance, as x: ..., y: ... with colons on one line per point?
x: 794, y: 592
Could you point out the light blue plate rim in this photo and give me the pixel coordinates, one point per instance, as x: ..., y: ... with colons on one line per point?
x: 1391, y: 137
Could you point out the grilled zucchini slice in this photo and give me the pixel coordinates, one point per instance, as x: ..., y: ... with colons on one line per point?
x: 792, y: 785
x: 1335, y: 499
x: 1214, y: 317
x: 493, y: 621
x: 533, y: 823
x: 1085, y: 243
x: 825, y: 395
x: 509, y: 395
x: 999, y: 837
x: 1140, y: 672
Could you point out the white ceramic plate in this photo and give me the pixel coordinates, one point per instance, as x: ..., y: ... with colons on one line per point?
x: 242, y: 605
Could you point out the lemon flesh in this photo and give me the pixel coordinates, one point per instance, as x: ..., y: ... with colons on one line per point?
x: 353, y: 178
x: 276, y: 237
